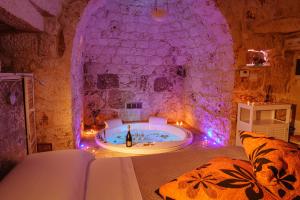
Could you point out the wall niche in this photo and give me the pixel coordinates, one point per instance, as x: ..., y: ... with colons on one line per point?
x: 257, y: 58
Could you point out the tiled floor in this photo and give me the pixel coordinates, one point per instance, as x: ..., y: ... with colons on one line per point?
x: 199, y: 141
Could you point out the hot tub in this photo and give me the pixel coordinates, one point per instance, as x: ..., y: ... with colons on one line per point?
x: 147, y: 138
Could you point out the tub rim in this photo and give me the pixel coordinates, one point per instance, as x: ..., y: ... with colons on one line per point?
x: 149, y: 148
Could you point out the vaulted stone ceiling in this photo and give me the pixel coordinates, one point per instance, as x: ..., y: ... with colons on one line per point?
x: 127, y: 48
x: 5, y: 27
x: 28, y: 15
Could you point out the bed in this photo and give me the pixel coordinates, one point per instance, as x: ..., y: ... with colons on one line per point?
x: 77, y: 175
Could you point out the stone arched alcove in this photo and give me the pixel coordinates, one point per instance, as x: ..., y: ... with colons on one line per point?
x: 77, y: 62
x: 122, y: 55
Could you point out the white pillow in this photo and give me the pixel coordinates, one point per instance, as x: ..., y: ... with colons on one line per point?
x: 158, y: 121
x: 56, y: 175
x: 113, y: 123
x: 112, y: 179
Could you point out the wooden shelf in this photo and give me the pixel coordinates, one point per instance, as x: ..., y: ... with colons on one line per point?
x: 267, y: 122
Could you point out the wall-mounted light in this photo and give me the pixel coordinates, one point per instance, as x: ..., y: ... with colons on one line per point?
x: 12, y: 95
x: 159, y: 13
x: 12, y: 98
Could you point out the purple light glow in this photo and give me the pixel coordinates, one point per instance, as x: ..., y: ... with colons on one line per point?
x: 86, y: 147
x: 214, y: 137
x: 210, y: 133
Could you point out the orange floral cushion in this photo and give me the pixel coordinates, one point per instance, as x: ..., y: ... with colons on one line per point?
x: 276, y: 164
x: 222, y: 178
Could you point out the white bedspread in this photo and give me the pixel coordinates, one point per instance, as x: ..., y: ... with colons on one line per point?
x: 112, y: 179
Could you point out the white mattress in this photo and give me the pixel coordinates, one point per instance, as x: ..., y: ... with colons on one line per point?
x: 112, y: 179
x: 59, y: 175
x: 75, y: 175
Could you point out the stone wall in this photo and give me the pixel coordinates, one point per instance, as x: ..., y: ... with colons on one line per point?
x: 132, y: 58
x: 178, y: 68
x: 77, y: 73
x: 48, y: 56
x: 209, y: 82
x: 262, y: 25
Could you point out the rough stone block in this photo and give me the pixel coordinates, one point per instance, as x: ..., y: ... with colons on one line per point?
x: 161, y: 84
x: 123, y: 51
x: 52, y: 26
x: 19, y: 44
x: 142, y: 44
x: 143, y: 82
x: 107, y: 81
x: 128, y: 43
x: 155, y: 60
x: 47, y: 46
x: 117, y: 60
x: 118, y: 98
x: 129, y: 60
x: 140, y: 60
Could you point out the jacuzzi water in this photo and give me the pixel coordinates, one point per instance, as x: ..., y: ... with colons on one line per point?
x: 144, y: 136
x: 147, y: 138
